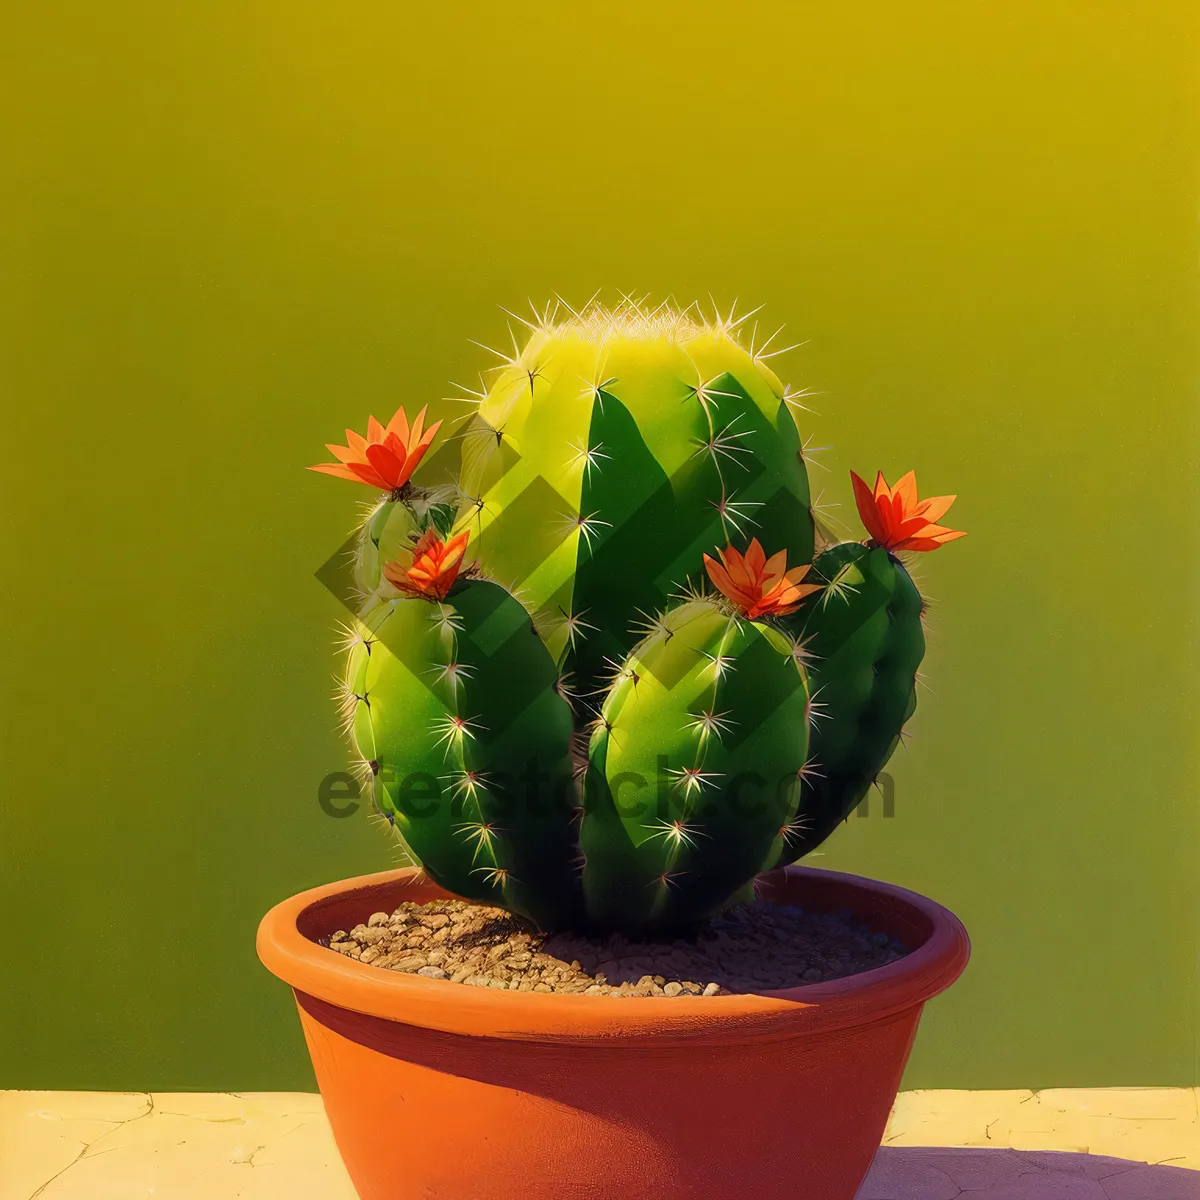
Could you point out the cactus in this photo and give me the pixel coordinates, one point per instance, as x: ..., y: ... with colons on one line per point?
x: 452, y: 700
x: 610, y: 454
x: 863, y: 641
x: 389, y: 530
x: 614, y: 686
x: 696, y: 763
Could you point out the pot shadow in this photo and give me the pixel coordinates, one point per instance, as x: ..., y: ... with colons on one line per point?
x: 948, y: 1173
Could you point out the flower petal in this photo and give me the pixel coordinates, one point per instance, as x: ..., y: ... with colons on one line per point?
x: 931, y: 541
x: 337, y: 470
x: 368, y: 475
x: 935, y: 507
x: 386, y: 464
x: 774, y: 570
x: 399, y: 424
x: 868, y: 510
x: 906, y: 492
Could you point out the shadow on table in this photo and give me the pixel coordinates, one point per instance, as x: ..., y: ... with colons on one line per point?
x: 941, y: 1173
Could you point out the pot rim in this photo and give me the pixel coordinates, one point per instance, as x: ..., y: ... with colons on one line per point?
x: 454, y: 1008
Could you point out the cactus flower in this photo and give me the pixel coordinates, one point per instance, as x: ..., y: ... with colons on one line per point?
x: 897, y: 520
x: 759, y: 586
x: 435, y: 566
x: 386, y: 457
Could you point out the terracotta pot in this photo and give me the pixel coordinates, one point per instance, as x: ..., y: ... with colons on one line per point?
x: 435, y: 1089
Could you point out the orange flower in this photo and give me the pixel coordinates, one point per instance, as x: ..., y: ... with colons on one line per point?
x: 385, y: 458
x: 435, y: 566
x: 758, y: 585
x: 897, y: 520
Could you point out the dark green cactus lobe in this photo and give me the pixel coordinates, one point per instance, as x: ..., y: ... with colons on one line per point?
x: 695, y: 769
x: 456, y: 703
x: 866, y: 641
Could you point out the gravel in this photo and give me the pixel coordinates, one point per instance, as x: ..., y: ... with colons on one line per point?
x: 749, y: 948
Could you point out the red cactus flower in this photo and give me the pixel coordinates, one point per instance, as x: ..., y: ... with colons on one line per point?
x: 386, y: 457
x: 759, y: 586
x: 434, y: 568
x: 897, y: 520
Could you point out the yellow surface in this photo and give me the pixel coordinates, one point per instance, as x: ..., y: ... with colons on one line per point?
x: 277, y: 1145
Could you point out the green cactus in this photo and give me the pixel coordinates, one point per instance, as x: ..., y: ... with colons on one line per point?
x: 697, y: 760
x: 557, y: 714
x: 863, y: 641
x: 609, y: 455
x: 455, y: 711
x: 391, y: 528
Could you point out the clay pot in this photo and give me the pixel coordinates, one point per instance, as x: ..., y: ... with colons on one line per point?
x: 437, y: 1089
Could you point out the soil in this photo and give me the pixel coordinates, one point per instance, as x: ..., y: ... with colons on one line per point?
x: 749, y: 948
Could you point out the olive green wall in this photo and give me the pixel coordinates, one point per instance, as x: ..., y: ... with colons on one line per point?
x: 228, y: 230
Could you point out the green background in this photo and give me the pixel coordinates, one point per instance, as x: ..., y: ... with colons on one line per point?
x: 229, y: 230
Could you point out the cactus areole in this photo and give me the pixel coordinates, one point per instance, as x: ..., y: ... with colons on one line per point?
x: 609, y: 671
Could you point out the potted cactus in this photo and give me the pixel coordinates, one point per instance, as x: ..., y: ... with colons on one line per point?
x: 609, y: 675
